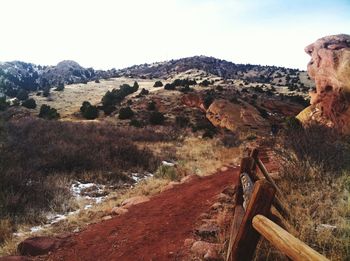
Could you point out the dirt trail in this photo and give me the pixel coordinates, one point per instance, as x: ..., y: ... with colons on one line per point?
x: 154, y: 230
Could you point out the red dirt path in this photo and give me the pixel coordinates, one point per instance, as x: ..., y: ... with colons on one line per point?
x: 154, y: 230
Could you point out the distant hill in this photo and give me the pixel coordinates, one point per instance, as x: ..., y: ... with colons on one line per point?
x: 18, y: 75
x: 293, y: 78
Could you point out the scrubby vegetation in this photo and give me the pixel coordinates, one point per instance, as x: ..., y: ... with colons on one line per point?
x: 29, y: 103
x: 114, y: 97
x: 125, y: 113
x: 315, y: 165
x: 156, y: 118
x: 39, y: 158
x: 89, y: 111
x: 158, y: 84
x: 48, y: 113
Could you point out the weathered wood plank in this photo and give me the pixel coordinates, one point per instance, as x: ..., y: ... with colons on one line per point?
x: 247, y: 238
x: 267, y: 175
x: 237, y: 220
x: 285, y: 242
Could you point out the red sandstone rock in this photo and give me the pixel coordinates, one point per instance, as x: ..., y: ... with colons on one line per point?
x: 134, y: 201
x: 119, y: 211
x: 330, y: 68
x: 224, y: 114
x: 38, y: 245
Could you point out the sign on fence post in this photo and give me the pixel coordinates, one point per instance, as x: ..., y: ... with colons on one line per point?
x: 247, y: 238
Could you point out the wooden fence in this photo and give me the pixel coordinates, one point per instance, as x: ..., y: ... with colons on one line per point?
x: 260, y: 211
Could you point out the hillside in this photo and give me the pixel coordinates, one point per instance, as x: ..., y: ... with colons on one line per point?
x: 18, y: 75
x: 227, y: 70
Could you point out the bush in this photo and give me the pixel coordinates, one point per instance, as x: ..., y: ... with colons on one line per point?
x: 205, y: 83
x: 125, y: 113
x: 208, y: 134
x: 158, y: 84
x: 3, y: 104
x: 60, y: 87
x: 114, y: 97
x: 89, y: 111
x: 318, y: 145
x: 151, y: 106
x: 169, y: 87
x: 182, y: 121
x: 135, y: 86
x: 143, y: 92
x: 136, y: 123
x: 29, y: 103
x: 22, y: 95
x: 46, y: 92
x: 156, y: 118
x: 48, y: 113
x: 208, y: 100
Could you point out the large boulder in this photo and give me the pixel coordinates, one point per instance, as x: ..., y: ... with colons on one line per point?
x: 224, y: 114
x: 330, y: 68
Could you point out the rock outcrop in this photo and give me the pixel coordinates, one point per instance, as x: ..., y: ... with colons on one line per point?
x: 330, y: 68
x: 224, y: 114
x: 193, y: 100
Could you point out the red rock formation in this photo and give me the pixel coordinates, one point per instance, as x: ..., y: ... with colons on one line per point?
x: 193, y: 100
x: 330, y: 68
x: 224, y: 114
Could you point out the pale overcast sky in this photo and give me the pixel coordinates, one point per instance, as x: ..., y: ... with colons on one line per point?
x: 114, y: 33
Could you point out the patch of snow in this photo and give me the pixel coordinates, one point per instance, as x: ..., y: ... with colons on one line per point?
x: 77, y: 187
x: 138, y: 177
x: 88, y: 206
x: 169, y: 164
x: 322, y: 227
x: 36, y: 229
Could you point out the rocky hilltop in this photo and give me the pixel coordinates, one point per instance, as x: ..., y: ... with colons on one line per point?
x: 18, y: 75
x: 293, y: 78
x: 330, y: 68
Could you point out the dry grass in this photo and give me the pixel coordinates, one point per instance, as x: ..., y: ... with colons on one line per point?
x: 205, y: 156
x: 323, y: 200
x: 68, y: 102
x: 6, y: 230
x: 316, y: 183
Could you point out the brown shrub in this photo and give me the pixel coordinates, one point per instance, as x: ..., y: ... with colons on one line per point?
x: 37, y: 155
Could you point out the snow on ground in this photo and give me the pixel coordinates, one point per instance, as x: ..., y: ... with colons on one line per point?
x: 89, y: 194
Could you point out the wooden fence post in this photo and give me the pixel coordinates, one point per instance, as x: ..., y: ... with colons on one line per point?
x: 247, y: 238
x: 285, y: 242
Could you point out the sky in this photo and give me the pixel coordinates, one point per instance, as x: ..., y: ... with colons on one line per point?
x: 106, y: 34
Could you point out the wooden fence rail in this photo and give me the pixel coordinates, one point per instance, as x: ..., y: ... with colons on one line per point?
x: 261, y: 204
